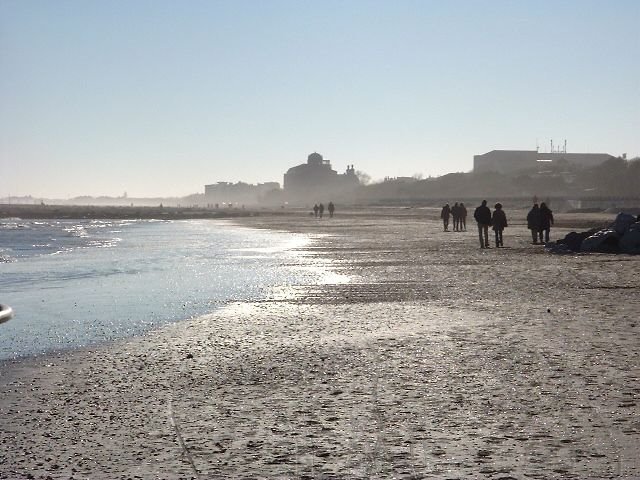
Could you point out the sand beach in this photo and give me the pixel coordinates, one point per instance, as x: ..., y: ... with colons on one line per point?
x: 428, y: 357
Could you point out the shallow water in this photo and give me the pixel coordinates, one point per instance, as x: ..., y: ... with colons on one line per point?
x: 74, y: 283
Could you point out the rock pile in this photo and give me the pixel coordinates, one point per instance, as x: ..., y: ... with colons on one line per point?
x: 622, y: 236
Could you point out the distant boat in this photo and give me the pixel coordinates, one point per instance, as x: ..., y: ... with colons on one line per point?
x: 6, y: 312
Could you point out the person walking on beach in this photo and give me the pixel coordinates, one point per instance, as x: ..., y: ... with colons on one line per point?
x: 482, y: 215
x: 499, y: 223
x: 546, y: 220
x: 315, y: 210
x: 463, y: 217
x: 444, y: 215
x: 533, y: 223
x: 455, y: 213
x: 331, y: 208
x: 321, y: 209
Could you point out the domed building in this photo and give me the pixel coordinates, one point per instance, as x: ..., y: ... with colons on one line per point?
x: 316, y: 180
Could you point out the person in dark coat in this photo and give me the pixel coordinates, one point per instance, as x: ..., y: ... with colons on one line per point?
x: 482, y: 215
x: 315, y: 209
x: 499, y: 223
x: 463, y: 217
x: 332, y: 208
x: 455, y: 213
x: 444, y: 215
x: 546, y: 220
x: 533, y: 223
x: 320, y: 210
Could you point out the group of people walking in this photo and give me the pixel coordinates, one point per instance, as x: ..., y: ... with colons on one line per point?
x: 539, y: 221
x: 318, y: 210
x: 485, y: 219
x: 459, y: 214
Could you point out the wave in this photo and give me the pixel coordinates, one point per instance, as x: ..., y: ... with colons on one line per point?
x: 156, y: 272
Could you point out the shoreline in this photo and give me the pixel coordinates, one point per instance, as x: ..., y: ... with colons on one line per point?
x: 103, y: 212
x: 253, y: 279
x: 438, y: 359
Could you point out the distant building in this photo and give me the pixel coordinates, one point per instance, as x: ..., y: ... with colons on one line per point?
x: 400, y: 179
x: 316, y: 180
x: 226, y: 193
x: 513, y: 161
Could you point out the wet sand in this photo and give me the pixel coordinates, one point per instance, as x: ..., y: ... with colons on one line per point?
x: 437, y: 360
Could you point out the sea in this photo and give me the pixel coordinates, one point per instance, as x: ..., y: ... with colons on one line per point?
x: 77, y: 283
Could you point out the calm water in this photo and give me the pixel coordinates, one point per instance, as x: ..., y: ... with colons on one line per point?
x: 76, y: 283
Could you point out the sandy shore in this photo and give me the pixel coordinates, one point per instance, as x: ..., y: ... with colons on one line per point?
x: 437, y: 360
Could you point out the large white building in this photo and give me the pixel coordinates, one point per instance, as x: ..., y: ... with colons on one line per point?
x: 513, y: 161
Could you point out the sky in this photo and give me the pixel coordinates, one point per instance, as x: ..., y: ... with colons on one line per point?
x: 159, y: 98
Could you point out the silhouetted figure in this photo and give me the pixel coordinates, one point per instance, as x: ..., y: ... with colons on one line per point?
x: 463, y: 217
x: 546, y: 220
x: 482, y: 215
x: 455, y: 213
x: 315, y: 210
x: 499, y: 223
x: 321, y: 209
x: 332, y: 208
x: 444, y: 215
x: 533, y: 223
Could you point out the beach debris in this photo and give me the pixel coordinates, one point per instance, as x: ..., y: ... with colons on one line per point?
x: 6, y: 313
x: 622, y: 236
x: 185, y: 451
x: 630, y: 241
x: 604, y: 241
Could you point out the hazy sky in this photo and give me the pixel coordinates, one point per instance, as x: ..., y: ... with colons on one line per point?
x: 158, y: 98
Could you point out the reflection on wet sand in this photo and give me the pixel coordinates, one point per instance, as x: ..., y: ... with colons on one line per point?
x: 436, y: 359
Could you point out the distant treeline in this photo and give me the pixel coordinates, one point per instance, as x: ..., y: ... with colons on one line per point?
x: 113, y: 212
x: 614, y: 178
